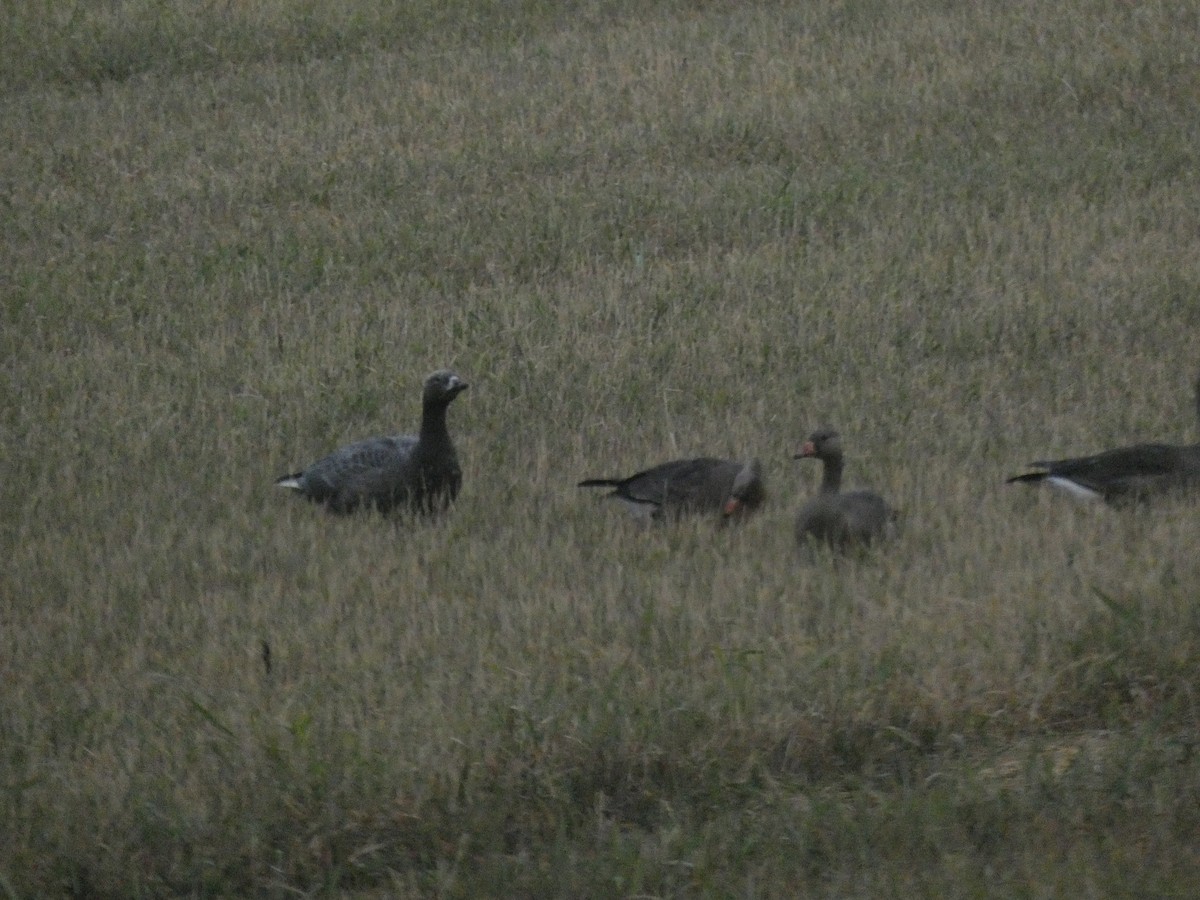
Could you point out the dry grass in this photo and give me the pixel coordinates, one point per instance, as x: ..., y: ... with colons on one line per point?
x: 235, y: 237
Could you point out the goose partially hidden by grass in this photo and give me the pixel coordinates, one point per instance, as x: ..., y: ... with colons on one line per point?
x: 844, y: 521
x: 1137, y: 472
x: 701, y: 485
x: 414, y: 472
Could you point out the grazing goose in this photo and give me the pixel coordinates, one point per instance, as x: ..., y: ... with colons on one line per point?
x: 1127, y: 473
x: 415, y: 472
x: 852, y: 519
x: 682, y: 486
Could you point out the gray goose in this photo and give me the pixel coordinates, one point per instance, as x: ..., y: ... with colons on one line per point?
x: 419, y: 473
x: 688, y: 486
x: 841, y: 520
x: 1130, y: 473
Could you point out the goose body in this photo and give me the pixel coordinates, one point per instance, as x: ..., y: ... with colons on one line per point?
x: 689, y: 486
x: 1127, y: 473
x: 1136, y: 472
x: 841, y: 520
x: 419, y: 473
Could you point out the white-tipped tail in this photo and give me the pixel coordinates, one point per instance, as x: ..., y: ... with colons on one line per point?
x: 1074, y: 488
x: 289, y: 481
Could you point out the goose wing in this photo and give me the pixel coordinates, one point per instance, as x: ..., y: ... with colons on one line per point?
x: 375, y: 469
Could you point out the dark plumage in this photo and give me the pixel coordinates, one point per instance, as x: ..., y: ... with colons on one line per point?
x: 1127, y: 473
x: 683, y: 486
x: 841, y: 520
x: 418, y: 472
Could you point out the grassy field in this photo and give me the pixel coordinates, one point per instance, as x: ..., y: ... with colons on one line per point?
x: 240, y: 233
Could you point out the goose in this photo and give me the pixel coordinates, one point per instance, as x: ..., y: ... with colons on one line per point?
x: 418, y: 472
x: 1137, y: 472
x: 842, y: 520
x: 688, y: 486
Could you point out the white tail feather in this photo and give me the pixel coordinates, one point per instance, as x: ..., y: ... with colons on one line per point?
x: 1076, y: 490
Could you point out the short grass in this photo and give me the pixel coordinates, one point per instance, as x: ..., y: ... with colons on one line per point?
x: 237, y: 234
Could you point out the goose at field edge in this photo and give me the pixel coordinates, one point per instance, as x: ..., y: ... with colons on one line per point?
x: 1126, y: 473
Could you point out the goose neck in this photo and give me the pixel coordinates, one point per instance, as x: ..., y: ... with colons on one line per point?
x: 433, y: 420
x: 831, y: 477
